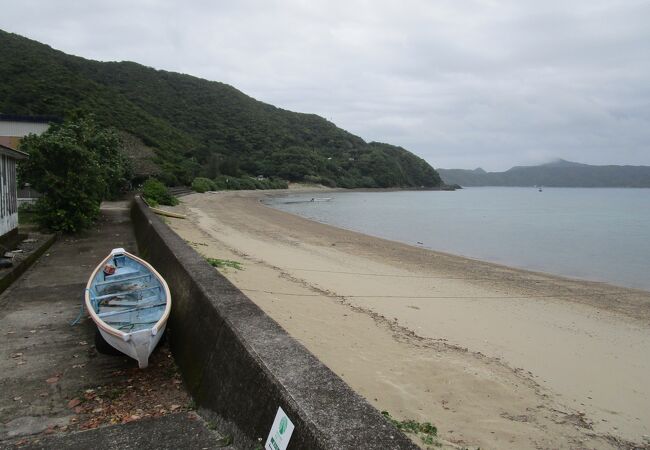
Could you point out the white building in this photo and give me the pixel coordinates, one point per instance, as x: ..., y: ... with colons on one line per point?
x: 8, y: 195
x: 12, y: 129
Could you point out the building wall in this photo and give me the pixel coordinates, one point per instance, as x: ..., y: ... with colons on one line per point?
x: 20, y: 129
x: 8, y: 200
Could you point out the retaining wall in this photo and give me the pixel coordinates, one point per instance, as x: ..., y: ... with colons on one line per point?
x: 240, y: 364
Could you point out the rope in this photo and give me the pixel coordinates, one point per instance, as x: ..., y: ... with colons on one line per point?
x: 81, y: 311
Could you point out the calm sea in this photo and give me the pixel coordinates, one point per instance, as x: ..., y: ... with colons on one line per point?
x: 594, y: 234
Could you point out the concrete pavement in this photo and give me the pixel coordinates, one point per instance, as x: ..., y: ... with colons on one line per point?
x: 45, y: 364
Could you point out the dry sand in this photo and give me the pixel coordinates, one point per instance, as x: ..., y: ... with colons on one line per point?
x: 493, y: 356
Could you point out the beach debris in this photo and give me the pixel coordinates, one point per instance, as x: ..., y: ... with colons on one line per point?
x: 517, y: 418
x: 53, y: 379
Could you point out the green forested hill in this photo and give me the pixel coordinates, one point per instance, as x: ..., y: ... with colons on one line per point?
x: 198, y: 127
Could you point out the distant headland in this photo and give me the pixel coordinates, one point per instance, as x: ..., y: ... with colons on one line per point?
x: 559, y: 173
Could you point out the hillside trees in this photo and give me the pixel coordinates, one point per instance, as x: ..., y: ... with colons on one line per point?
x: 198, y: 128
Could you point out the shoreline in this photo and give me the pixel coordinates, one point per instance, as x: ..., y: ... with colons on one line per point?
x: 641, y: 312
x: 505, y: 264
x: 445, y: 317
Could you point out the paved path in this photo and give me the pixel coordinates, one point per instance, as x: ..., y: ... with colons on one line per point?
x: 45, y: 362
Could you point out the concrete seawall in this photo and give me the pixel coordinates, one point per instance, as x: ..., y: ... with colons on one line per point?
x: 240, y: 364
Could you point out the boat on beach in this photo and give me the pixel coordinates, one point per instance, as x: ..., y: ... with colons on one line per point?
x: 130, y: 304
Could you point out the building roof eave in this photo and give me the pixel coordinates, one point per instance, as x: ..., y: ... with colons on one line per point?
x: 16, y: 154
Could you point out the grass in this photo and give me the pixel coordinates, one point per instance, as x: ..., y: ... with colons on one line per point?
x: 427, y: 432
x: 223, y: 263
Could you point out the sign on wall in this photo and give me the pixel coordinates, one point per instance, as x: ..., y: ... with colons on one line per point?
x: 280, y: 432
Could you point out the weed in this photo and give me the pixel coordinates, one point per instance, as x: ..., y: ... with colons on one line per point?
x: 224, y: 441
x: 424, y: 430
x: 222, y: 263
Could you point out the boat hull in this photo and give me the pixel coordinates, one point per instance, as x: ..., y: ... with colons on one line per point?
x: 129, y: 305
x: 139, y: 346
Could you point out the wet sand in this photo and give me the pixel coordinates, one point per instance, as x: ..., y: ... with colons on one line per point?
x: 495, y: 357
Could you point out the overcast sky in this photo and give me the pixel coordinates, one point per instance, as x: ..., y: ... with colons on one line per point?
x: 461, y: 83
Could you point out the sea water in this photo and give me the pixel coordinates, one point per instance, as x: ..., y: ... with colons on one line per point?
x: 594, y: 234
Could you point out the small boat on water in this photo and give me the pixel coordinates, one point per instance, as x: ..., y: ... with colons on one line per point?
x: 130, y: 304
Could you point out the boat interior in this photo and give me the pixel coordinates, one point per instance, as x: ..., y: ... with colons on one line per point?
x: 127, y: 296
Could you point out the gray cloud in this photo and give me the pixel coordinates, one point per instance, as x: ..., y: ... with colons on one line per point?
x: 462, y: 83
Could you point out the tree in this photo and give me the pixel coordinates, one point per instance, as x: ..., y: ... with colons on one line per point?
x: 74, y: 166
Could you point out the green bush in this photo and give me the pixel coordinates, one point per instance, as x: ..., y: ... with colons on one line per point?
x: 278, y: 184
x: 157, y: 193
x: 74, y: 165
x: 220, y: 183
x: 247, y: 183
x: 201, y: 184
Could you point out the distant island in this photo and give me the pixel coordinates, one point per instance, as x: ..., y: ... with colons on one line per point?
x: 559, y: 173
x: 177, y: 127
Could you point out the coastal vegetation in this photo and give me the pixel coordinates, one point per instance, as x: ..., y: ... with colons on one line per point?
x: 224, y: 183
x: 427, y: 432
x: 223, y: 263
x: 156, y: 193
x: 186, y: 127
x: 75, y: 165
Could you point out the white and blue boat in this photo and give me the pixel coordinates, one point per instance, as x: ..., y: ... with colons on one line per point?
x: 130, y: 304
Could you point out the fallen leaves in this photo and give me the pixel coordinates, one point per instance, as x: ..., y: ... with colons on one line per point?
x: 136, y: 394
x: 52, y: 380
x: 74, y: 402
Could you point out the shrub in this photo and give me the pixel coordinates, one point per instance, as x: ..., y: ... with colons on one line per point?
x: 277, y: 183
x: 312, y: 179
x: 247, y: 183
x: 220, y: 183
x: 157, y: 193
x: 74, y: 166
x: 223, y: 182
x: 201, y: 185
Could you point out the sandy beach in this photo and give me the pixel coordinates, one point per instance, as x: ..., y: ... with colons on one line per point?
x: 495, y: 357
